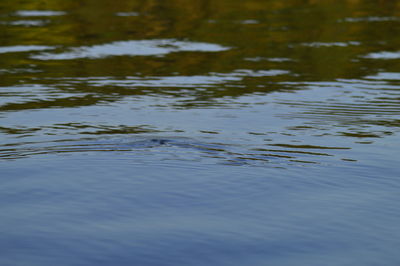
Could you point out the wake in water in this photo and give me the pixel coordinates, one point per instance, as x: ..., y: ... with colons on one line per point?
x: 177, y: 148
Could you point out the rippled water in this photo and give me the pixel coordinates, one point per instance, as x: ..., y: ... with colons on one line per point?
x: 199, y: 133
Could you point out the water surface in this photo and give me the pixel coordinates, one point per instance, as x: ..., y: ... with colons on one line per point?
x: 199, y: 133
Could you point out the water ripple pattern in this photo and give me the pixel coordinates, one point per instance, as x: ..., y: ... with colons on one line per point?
x: 218, y: 133
x: 133, y: 48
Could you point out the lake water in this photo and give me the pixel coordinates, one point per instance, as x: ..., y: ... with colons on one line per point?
x: 199, y: 133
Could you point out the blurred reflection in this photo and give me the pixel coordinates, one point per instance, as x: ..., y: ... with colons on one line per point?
x: 180, y: 55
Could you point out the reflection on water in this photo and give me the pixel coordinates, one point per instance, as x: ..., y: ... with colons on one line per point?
x: 23, y: 48
x: 384, y: 55
x: 199, y: 133
x: 338, y: 44
x: 134, y: 48
x: 38, y: 13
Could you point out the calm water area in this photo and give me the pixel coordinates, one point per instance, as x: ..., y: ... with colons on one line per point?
x: 227, y: 132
